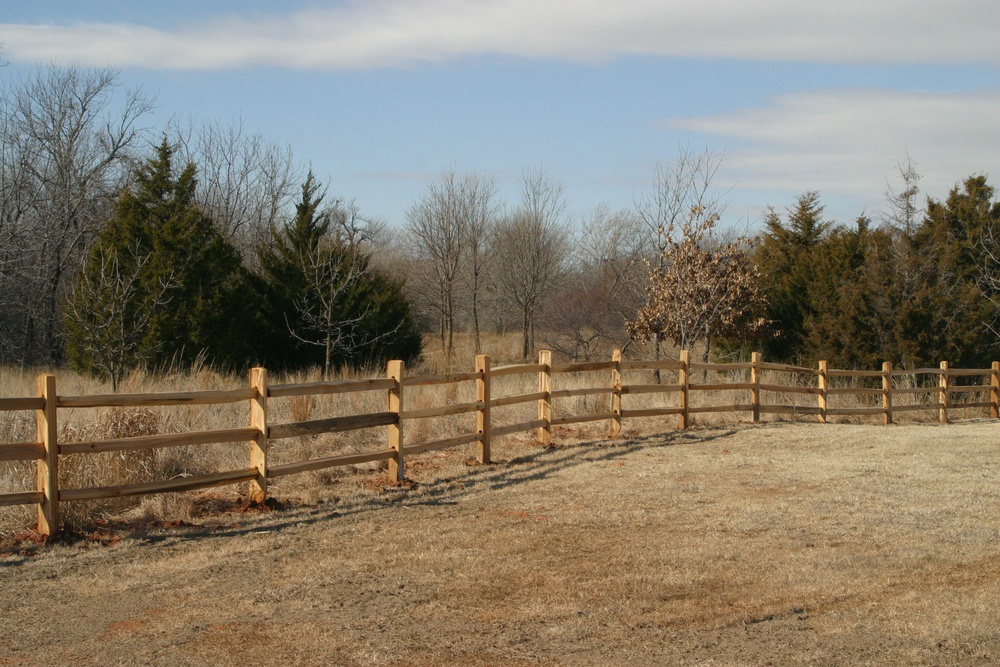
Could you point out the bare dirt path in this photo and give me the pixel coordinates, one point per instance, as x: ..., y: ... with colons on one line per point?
x: 777, y: 544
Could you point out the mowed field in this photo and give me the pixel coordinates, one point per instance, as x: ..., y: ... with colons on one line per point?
x: 778, y: 544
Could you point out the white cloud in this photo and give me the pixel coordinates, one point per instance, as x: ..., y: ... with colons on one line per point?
x: 397, y: 32
x: 846, y: 142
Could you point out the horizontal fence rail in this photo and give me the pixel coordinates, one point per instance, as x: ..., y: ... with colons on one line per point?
x: 787, y: 390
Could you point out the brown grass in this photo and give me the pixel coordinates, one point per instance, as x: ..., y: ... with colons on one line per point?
x: 772, y: 544
x: 124, y: 468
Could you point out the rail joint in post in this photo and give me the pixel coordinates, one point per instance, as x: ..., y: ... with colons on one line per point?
x: 887, y: 392
x: 483, y: 416
x: 616, y: 396
x: 259, y: 445
x: 394, y: 371
x: 47, y: 467
x: 545, y: 403
x: 822, y: 379
x: 944, y: 389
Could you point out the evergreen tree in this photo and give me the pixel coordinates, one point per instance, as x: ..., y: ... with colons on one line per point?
x: 184, y: 277
x: 785, y: 260
x: 949, y: 315
x: 325, y: 304
x: 284, y: 280
x: 842, y: 325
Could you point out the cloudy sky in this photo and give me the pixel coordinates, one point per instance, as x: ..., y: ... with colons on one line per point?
x: 381, y: 95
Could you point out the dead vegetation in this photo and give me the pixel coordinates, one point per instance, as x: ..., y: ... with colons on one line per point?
x: 770, y: 544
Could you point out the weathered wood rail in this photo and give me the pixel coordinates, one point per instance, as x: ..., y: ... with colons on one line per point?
x: 772, y: 397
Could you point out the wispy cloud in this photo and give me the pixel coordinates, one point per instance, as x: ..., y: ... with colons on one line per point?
x: 398, y: 32
x: 846, y: 142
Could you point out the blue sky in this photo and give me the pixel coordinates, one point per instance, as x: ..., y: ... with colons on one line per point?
x: 380, y: 96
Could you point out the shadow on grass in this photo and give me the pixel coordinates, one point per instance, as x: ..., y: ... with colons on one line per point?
x: 275, y: 517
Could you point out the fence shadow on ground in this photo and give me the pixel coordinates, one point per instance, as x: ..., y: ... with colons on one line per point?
x: 532, y: 467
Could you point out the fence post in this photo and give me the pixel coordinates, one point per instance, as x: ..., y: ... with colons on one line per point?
x: 684, y: 375
x: 616, y: 393
x: 943, y: 412
x: 47, y: 468
x: 394, y: 371
x: 995, y: 391
x: 545, y: 403
x: 483, y: 413
x: 755, y: 381
x: 259, y: 445
x: 887, y: 392
x: 823, y: 380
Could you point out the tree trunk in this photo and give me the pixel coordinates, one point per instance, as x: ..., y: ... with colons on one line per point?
x: 705, y: 357
x: 656, y: 357
x: 525, y: 347
x: 475, y: 323
x: 326, y: 361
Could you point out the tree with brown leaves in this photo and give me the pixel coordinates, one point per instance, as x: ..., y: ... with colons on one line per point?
x: 699, y: 287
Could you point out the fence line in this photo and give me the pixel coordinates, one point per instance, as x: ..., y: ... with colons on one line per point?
x: 259, y: 433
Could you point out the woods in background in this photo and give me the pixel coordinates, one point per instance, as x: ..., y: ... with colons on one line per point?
x: 122, y: 246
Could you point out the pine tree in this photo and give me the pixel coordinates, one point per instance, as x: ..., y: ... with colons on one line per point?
x: 784, y: 258
x: 325, y: 304
x: 949, y: 315
x: 183, y: 276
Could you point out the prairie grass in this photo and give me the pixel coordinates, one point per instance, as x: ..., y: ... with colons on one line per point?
x: 118, y: 468
x: 780, y: 543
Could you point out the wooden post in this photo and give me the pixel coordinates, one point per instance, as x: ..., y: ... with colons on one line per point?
x: 943, y: 413
x: 684, y: 376
x: 483, y: 414
x: 995, y: 391
x: 822, y: 379
x: 755, y: 380
x: 47, y: 467
x: 616, y: 394
x: 395, y: 372
x: 545, y: 403
x: 257, y: 490
x: 887, y: 392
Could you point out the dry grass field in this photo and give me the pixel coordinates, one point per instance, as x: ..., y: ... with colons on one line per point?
x: 772, y: 544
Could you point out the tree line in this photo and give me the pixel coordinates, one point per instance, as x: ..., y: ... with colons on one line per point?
x: 117, y: 253
x: 124, y: 246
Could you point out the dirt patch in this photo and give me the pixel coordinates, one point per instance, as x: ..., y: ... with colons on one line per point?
x: 776, y: 544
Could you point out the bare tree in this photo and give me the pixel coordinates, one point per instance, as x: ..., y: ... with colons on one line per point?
x: 903, y: 212
x: 449, y: 228
x: 479, y: 208
x: 601, y: 289
x: 246, y: 181
x: 687, y: 185
x: 531, y: 247
x: 332, y: 271
x: 68, y: 138
x: 109, y: 313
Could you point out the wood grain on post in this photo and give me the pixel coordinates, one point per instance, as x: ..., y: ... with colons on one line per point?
x: 887, y: 392
x: 395, y: 430
x: 483, y: 414
x: 684, y: 379
x: 259, y: 444
x: 47, y: 467
x: 943, y: 412
x: 616, y: 395
x: 755, y: 381
x: 822, y: 379
x: 995, y: 391
x: 545, y: 404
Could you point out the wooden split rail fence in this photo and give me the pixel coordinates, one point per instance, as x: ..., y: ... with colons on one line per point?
x: 886, y: 386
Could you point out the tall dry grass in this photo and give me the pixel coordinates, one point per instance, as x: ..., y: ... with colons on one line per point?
x: 117, y: 468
